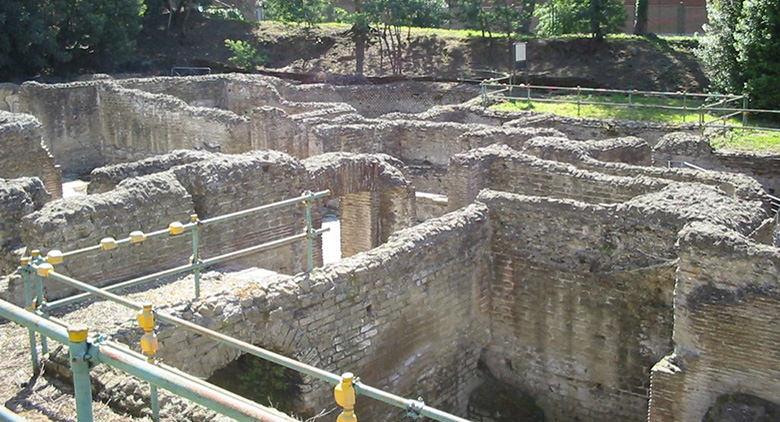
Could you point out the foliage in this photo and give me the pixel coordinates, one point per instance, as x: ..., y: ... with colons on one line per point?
x: 69, y: 35
x: 228, y: 14
x: 596, y: 17
x: 495, y: 16
x: 741, y: 49
x: 245, y: 55
x: 308, y: 12
x: 717, y: 50
x: 758, y: 51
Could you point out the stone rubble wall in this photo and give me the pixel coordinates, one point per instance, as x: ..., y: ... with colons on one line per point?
x: 499, y: 167
x: 18, y: 197
x: 24, y: 153
x: 580, y: 305
x: 679, y: 147
x: 726, y: 334
x: 399, y: 316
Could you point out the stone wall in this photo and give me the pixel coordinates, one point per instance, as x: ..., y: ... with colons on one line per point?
x: 24, y: 154
x: 398, y: 316
x: 18, y: 197
x: 726, y: 334
x: 580, y: 304
x: 499, y: 167
x: 680, y: 147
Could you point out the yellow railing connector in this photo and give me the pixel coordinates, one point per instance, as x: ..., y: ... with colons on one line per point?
x: 108, y: 243
x: 54, y: 257
x: 176, y: 228
x: 194, y: 218
x: 344, y: 393
x: 44, y: 269
x: 78, y: 333
x: 137, y: 237
x: 149, y: 343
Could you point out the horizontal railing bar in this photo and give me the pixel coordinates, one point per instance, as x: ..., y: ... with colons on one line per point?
x: 313, y: 195
x: 6, y: 415
x: 616, y: 91
x: 185, y: 268
x: 301, y: 367
x: 188, y: 226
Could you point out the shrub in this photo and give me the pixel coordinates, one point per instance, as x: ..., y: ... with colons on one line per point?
x: 245, y: 55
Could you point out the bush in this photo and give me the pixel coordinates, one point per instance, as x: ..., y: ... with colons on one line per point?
x: 245, y: 55
x: 596, y: 17
x: 44, y: 36
x: 308, y: 12
x: 741, y: 49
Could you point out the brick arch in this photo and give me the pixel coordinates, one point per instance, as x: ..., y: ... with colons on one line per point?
x: 376, y: 198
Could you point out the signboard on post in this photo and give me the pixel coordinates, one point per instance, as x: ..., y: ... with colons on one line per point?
x: 518, y: 52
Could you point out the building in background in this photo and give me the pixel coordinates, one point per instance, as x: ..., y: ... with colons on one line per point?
x: 670, y: 16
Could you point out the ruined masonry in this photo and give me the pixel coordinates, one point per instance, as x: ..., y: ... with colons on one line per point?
x: 502, y: 266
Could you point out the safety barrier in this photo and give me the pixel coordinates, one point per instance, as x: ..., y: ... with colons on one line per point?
x: 711, y: 110
x: 36, y: 268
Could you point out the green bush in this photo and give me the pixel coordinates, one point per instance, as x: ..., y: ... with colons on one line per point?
x: 596, y: 17
x: 308, y: 12
x: 48, y: 36
x: 741, y: 49
x: 245, y: 55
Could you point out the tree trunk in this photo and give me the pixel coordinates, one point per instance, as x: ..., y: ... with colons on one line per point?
x: 640, y: 17
x: 359, y: 32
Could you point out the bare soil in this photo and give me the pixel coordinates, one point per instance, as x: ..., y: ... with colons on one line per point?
x: 327, y: 53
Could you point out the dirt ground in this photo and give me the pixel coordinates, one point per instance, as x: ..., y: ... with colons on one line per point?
x: 327, y: 52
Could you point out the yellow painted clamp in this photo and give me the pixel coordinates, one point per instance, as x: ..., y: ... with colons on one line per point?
x: 344, y: 392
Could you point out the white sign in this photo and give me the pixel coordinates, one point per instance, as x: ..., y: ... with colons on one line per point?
x: 519, y: 51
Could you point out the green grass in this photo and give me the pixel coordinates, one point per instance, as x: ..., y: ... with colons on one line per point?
x: 736, y: 139
x: 748, y: 140
x: 600, y: 111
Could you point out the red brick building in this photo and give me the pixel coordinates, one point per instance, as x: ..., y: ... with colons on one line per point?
x: 670, y: 16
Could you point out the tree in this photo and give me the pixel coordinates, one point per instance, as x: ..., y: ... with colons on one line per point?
x: 597, y: 17
x: 640, y: 17
x: 66, y: 35
x: 757, y: 38
x: 717, y: 51
x: 308, y: 12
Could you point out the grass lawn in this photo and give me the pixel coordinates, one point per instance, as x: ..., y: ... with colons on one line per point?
x: 736, y: 139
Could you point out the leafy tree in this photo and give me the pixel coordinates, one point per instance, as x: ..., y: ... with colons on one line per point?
x: 718, y: 52
x: 66, y: 35
x: 597, y: 17
x: 757, y: 39
x: 308, y: 12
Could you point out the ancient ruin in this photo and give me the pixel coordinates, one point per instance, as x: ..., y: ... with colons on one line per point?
x: 500, y: 266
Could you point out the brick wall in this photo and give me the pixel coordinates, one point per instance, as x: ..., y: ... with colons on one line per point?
x: 398, y: 316
x: 23, y: 153
x: 502, y: 168
x: 18, y: 197
x: 580, y: 306
x: 726, y: 333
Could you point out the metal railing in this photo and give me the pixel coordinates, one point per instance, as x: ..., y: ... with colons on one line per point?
x: 706, y: 110
x: 190, y: 71
x: 37, y: 268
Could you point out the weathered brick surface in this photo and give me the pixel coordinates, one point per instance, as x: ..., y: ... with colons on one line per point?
x: 726, y: 331
x: 18, y: 197
x: 24, y: 154
x: 679, y: 147
x: 399, y: 316
x: 502, y: 168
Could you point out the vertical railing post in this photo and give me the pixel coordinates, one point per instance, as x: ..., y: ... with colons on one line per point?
x: 195, y: 260
x: 307, y: 204
x: 483, y: 94
x: 744, y: 109
x: 26, y: 272
x: 79, y: 366
x: 685, y: 105
x: 344, y: 393
x: 40, y: 303
x: 578, y: 101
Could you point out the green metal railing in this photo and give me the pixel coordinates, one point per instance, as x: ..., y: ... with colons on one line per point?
x: 36, y: 268
x: 719, y: 107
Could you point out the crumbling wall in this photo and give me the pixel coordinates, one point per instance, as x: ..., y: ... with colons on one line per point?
x: 727, y: 298
x: 376, y: 199
x: 18, y: 197
x: 104, y: 179
x: 200, y: 91
x: 23, y: 154
x: 70, y: 116
x: 681, y: 147
x: 580, y: 304
x: 499, y: 167
x: 136, y: 124
x: 398, y: 316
